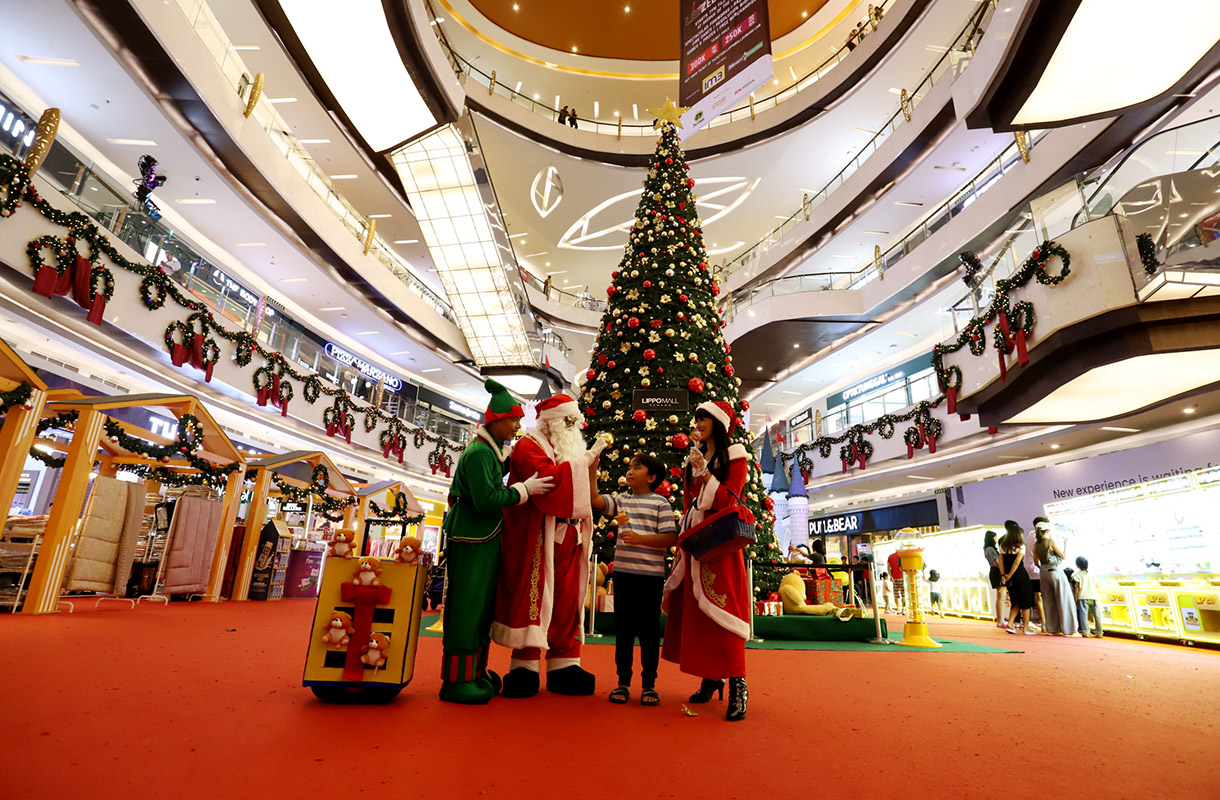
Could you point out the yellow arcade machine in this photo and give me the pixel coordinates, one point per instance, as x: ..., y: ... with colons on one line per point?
x: 365, y: 629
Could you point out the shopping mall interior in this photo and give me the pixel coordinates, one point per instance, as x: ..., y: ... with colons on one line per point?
x: 933, y: 270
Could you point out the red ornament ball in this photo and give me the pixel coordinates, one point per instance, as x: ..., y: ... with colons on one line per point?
x: 665, y: 489
x: 690, y: 182
x: 681, y: 441
x: 745, y: 405
x: 647, y: 284
x: 715, y: 289
x: 639, y: 416
x: 769, y: 503
x: 728, y: 370
x: 590, y: 374
x: 610, y: 290
x: 660, y: 370
x: 649, y: 355
x: 695, y: 385
x: 669, y: 160
x: 610, y: 365
x: 683, y: 298
x: 634, y: 322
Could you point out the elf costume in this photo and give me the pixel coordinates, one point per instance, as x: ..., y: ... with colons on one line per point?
x: 477, y: 499
x: 545, y: 548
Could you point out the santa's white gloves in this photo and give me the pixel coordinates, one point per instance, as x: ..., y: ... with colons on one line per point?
x: 535, y: 485
x: 599, y: 444
x: 697, y: 462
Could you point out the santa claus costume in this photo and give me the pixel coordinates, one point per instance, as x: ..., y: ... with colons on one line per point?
x: 545, y: 551
x: 708, y: 602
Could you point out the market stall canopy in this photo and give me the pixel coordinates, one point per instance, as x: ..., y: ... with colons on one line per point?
x: 387, y: 490
x: 216, y: 445
x: 298, y: 467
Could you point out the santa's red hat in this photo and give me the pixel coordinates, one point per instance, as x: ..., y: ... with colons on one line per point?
x: 720, y: 411
x: 556, y: 406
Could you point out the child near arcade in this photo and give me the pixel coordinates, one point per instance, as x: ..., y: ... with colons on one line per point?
x: 646, y: 532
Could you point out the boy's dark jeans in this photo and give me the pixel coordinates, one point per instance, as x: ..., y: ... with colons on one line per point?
x: 637, y: 614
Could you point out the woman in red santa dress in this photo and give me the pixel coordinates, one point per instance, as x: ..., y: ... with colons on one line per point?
x: 708, y: 601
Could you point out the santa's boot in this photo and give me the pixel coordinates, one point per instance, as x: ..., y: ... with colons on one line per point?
x: 571, y: 680
x: 458, y: 684
x: 520, y: 682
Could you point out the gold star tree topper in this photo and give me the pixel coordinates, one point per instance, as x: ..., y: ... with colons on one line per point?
x: 668, y: 113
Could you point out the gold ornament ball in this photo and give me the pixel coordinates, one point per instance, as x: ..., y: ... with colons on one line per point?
x: 605, y: 404
x: 622, y: 481
x: 608, y: 437
x: 646, y: 383
x: 670, y: 333
x: 673, y: 419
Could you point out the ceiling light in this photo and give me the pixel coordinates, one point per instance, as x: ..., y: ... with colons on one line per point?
x: 1054, y: 447
x: 406, y: 241
x: 548, y: 263
x: 314, y: 141
x: 331, y: 308
x: 796, y: 345
x: 135, y: 142
x: 627, y: 9
x: 518, y: 89
x: 1120, y: 430
x: 843, y: 256
x: 380, y: 216
x: 49, y: 62
x: 401, y: 353
x: 244, y: 47
x: 830, y: 495
x: 908, y: 203
x: 434, y: 369
x: 786, y: 391
x: 804, y: 14
x: 1188, y: 410
x: 895, y: 90
x: 573, y: 48
x: 195, y: 201
x: 293, y: 280
x: 557, y: 272
x: 759, y: 369
x: 536, y: 95
x: 516, y: 7
x: 877, y: 233
x: 347, y: 176
x: 368, y: 333
x: 921, y: 477
x: 952, y: 169
x: 274, y: 100
x: 250, y: 244
x: 907, y: 333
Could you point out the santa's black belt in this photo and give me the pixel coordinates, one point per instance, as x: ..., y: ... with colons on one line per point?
x: 569, y: 521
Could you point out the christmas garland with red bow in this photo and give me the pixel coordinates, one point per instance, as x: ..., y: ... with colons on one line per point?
x: 1014, y: 321
x: 193, y: 341
x: 18, y: 396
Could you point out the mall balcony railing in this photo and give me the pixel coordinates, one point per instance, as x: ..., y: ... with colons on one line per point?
x: 228, y: 60
x: 953, y: 62
x: 877, y: 266
x: 560, y: 295
x: 466, y: 70
x: 77, y: 182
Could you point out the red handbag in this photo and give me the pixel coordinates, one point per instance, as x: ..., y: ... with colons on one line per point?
x: 720, y: 534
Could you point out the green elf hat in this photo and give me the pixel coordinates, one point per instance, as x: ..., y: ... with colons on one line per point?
x: 502, y: 405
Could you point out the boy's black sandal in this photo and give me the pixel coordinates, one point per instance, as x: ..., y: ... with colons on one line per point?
x: 620, y: 695
x: 649, y: 697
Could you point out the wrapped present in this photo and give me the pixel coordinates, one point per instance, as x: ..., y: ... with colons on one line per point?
x: 821, y: 588
x: 768, y: 608
x: 605, y: 603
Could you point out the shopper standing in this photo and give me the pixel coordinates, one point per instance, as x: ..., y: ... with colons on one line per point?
x: 1086, y: 598
x: 563, y: 116
x: 572, y: 117
x: 1035, y: 576
x: 894, y: 562
x: 991, y: 554
x: 1058, y: 608
x: 1015, y: 578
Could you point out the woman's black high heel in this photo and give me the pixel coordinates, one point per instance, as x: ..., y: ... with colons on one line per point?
x: 706, y: 689
x: 738, y: 695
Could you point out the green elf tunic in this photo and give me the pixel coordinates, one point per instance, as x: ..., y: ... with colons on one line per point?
x: 472, y: 531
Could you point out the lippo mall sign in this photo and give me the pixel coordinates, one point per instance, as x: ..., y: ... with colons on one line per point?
x: 660, y: 400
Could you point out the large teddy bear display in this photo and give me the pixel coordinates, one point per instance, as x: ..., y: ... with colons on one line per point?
x: 792, y: 593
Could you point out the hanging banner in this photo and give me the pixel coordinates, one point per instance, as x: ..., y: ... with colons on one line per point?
x: 726, y: 54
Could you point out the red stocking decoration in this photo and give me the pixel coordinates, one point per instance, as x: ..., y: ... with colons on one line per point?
x: 178, y: 355
x: 951, y: 399
x: 207, y: 371
x: 1003, y: 366
x: 197, y: 350
x: 82, y: 282
x: 63, y: 283
x: 96, y: 309
x: 45, y: 280
x: 1022, y: 348
x: 283, y: 408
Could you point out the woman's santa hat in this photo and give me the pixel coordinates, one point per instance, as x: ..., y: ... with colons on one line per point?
x: 720, y: 411
x: 557, y: 406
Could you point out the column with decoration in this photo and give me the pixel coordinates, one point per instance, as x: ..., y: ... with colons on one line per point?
x: 662, y: 330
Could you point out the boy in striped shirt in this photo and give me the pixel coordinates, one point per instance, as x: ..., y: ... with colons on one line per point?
x: 646, y: 532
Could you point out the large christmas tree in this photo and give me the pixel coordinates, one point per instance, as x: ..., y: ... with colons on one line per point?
x: 662, y: 330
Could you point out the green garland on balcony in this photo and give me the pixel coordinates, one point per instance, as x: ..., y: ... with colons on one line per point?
x: 856, y: 449
x: 17, y: 396
x: 1014, y: 322
x: 195, y: 339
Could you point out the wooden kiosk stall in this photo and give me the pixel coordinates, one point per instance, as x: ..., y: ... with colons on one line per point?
x: 199, y: 454
x: 22, y: 397
x: 389, y: 503
x: 300, y: 473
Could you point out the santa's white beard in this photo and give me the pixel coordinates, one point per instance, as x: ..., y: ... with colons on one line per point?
x: 568, y: 443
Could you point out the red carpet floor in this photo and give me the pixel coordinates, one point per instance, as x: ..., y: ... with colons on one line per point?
x: 168, y: 703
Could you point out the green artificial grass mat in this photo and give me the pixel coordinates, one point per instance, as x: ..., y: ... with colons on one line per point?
x: 949, y: 645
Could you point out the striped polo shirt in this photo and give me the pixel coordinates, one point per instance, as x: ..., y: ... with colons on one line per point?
x: 646, y: 513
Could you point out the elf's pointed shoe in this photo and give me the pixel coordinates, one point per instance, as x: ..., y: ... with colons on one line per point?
x: 571, y: 681
x: 470, y: 693
x: 520, y: 682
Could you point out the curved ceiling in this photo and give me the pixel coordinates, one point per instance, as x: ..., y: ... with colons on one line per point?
x: 639, y: 30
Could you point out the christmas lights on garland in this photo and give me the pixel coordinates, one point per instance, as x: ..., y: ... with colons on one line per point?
x: 1014, y: 322
x: 18, y: 396
x: 186, y: 444
x: 60, y: 268
x: 64, y: 421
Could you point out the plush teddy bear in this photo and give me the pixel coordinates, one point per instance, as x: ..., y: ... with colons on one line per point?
x: 409, y: 550
x: 598, y: 586
x: 338, y: 630
x: 341, y: 545
x: 792, y: 593
x: 374, y: 653
x: 368, y: 572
